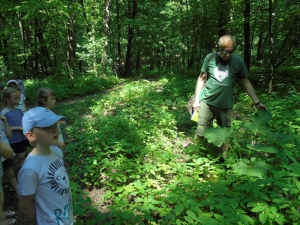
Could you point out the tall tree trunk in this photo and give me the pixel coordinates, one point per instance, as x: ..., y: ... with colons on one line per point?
x: 271, y: 42
x: 106, y: 31
x: 247, y: 50
x: 182, y: 37
x: 70, y: 26
x: 3, y: 41
x: 43, y: 53
x: 194, y: 47
x: 223, y: 16
x: 119, y: 55
x: 127, y: 71
x: 93, y: 36
x: 262, y: 44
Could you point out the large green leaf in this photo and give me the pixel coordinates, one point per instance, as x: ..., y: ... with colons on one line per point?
x: 263, y: 148
x: 218, y: 135
x: 258, y: 121
x: 254, y: 167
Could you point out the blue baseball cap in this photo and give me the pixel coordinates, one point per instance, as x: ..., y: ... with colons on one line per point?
x: 39, y: 117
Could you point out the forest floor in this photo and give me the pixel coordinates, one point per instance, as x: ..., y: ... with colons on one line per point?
x: 11, y: 202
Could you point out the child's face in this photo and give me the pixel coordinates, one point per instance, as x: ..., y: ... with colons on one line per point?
x: 46, y: 136
x: 50, y: 102
x: 14, y: 99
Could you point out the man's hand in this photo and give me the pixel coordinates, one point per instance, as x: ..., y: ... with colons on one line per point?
x: 196, y: 105
x: 261, y: 106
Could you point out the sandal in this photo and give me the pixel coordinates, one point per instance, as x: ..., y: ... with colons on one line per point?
x: 9, y: 213
x: 7, y: 188
x: 11, y: 221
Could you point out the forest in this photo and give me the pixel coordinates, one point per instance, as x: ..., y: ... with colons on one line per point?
x: 135, y: 64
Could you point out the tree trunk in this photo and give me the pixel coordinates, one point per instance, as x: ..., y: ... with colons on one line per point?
x: 71, y: 42
x: 127, y: 71
x: 247, y: 50
x: 262, y: 45
x: 4, y: 44
x: 223, y: 16
x: 271, y: 41
x: 106, y: 31
x: 182, y: 37
x: 194, y: 47
x: 119, y: 55
x: 43, y: 53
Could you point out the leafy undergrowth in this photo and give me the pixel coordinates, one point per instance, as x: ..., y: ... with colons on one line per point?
x: 132, y: 142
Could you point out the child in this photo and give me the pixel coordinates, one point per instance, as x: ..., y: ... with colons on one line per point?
x: 7, y: 164
x: 18, y: 142
x: 7, y: 153
x: 46, y: 98
x: 14, y: 84
x: 44, y: 188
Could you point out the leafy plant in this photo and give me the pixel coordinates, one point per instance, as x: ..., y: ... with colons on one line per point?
x: 133, y: 143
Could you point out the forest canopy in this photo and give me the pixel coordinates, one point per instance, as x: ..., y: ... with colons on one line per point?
x: 127, y: 38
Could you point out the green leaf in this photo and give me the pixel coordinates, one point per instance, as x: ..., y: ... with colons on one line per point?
x: 95, y: 162
x: 256, y: 168
x: 264, y: 148
x: 263, y: 217
x: 150, y: 218
x: 178, y: 222
x: 127, y: 214
x: 246, y: 219
x: 191, y: 214
x: 204, y: 220
x: 178, y: 209
x: 258, y: 120
x: 219, y: 217
x: 257, y: 209
x: 218, y: 135
x: 189, y: 219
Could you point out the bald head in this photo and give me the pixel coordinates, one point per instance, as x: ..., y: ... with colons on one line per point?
x: 226, y: 40
x: 226, y: 46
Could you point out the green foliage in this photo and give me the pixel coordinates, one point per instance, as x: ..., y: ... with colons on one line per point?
x: 65, y: 88
x: 130, y: 142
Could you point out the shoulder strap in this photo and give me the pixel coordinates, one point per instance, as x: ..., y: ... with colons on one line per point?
x: 209, y: 59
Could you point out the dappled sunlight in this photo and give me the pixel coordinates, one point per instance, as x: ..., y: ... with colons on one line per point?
x: 136, y: 144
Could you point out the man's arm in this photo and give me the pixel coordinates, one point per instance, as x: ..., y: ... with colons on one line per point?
x: 27, y: 208
x: 199, y: 86
x: 251, y: 92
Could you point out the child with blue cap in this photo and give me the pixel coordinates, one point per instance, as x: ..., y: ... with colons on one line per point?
x: 44, y: 187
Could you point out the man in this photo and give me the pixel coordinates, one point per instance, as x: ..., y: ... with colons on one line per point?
x: 217, y: 75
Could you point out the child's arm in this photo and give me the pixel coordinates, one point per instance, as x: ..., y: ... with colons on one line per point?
x: 27, y: 208
x: 16, y: 128
x: 61, y: 144
x: 8, y: 131
x: 5, y: 150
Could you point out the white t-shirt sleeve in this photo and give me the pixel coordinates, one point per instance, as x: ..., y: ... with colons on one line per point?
x: 27, y: 181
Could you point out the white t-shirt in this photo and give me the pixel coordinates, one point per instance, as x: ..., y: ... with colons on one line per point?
x: 47, y: 178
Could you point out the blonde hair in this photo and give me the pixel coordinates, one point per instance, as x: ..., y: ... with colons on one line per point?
x: 43, y: 94
x: 6, y: 95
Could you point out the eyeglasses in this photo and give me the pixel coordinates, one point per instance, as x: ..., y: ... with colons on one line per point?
x: 227, y: 51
